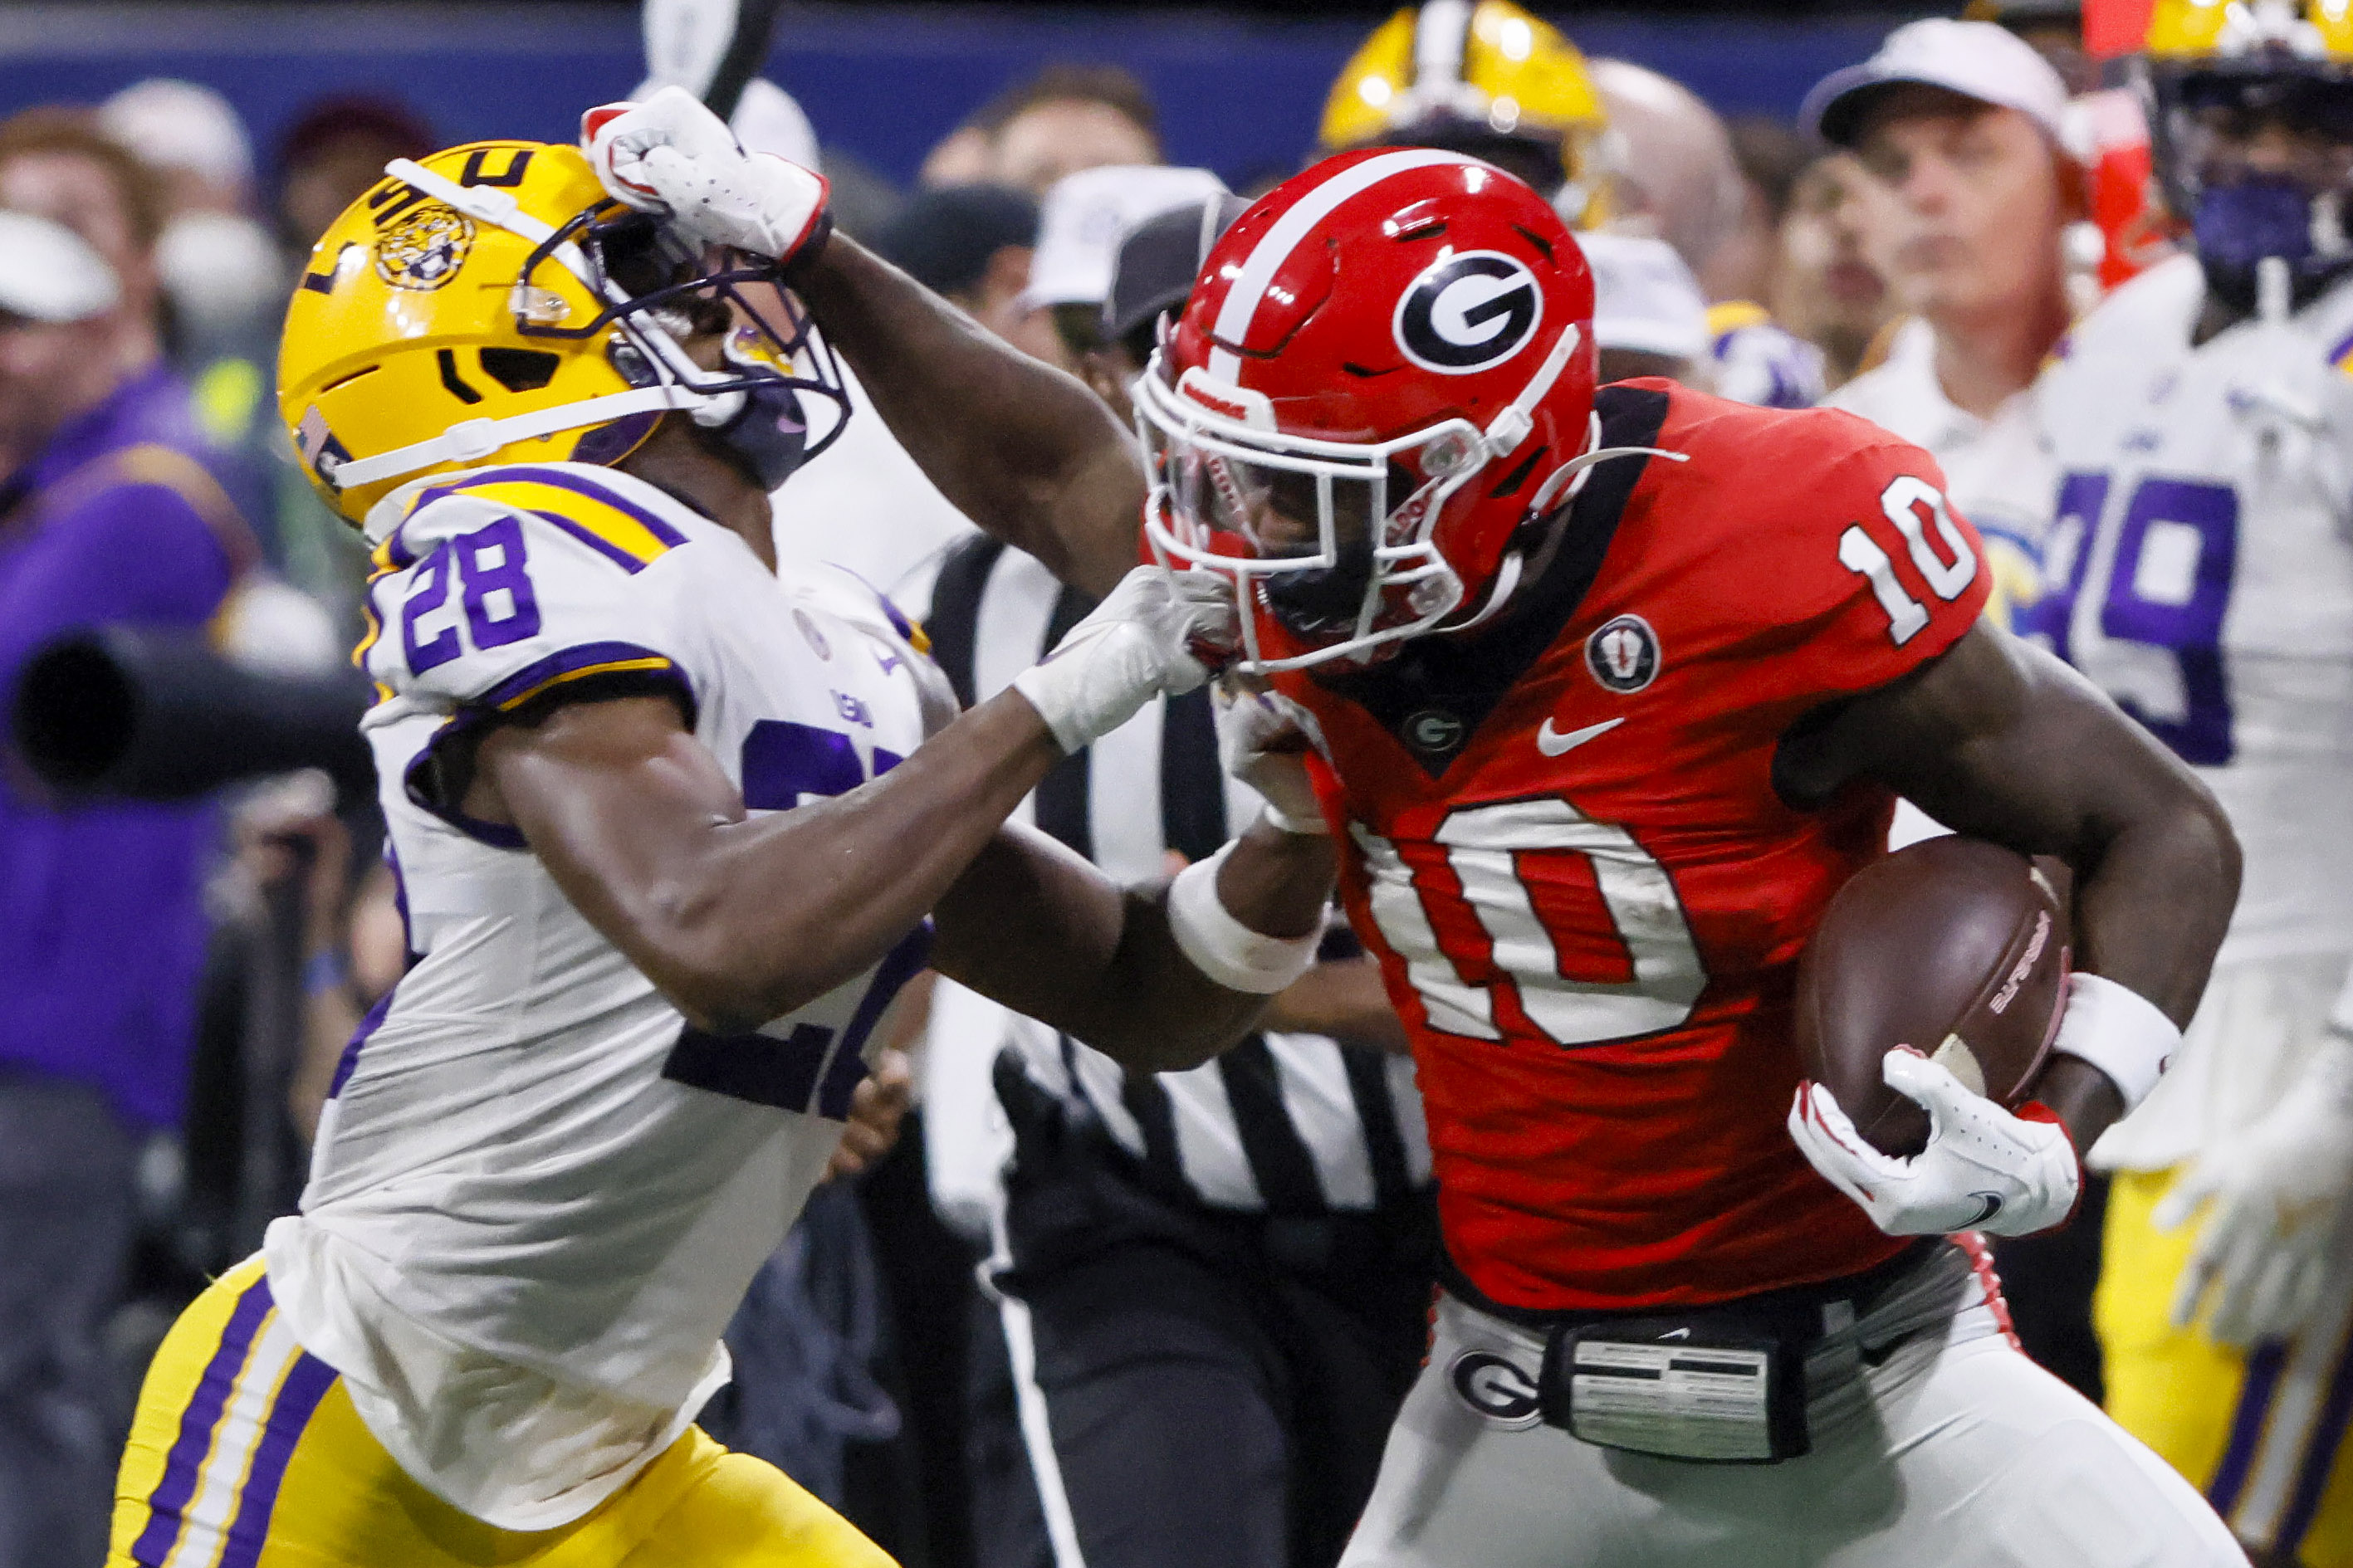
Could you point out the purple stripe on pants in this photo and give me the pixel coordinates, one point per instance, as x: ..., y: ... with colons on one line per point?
x: 172, y: 1493
x: 298, y: 1397
x: 2255, y: 1391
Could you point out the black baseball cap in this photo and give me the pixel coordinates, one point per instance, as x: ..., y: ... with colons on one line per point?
x: 942, y: 238
x: 1159, y: 259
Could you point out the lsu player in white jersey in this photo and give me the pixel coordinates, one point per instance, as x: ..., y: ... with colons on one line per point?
x: 2200, y: 568
x: 668, y: 824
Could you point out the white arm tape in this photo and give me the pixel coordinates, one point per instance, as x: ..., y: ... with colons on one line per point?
x: 1302, y: 828
x: 2119, y: 1031
x: 1224, y: 949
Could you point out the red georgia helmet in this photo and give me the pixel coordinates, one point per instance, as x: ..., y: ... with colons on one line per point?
x: 1384, y: 371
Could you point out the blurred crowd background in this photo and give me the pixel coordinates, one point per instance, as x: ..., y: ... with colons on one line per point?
x: 178, y: 972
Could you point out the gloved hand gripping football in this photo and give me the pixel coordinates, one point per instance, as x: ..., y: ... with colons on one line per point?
x: 672, y: 156
x: 1983, y: 1169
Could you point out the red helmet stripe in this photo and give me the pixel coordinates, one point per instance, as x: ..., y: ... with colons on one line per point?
x: 1266, y: 258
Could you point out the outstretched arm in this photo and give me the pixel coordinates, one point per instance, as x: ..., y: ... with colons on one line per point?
x: 740, y: 920
x: 1022, y: 449
x: 1037, y: 928
x: 2002, y: 741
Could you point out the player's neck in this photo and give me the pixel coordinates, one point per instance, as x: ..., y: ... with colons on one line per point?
x: 1985, y: 358
x: 674, y: 459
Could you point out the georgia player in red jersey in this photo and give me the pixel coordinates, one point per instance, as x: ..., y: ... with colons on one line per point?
x: 1608, y: 693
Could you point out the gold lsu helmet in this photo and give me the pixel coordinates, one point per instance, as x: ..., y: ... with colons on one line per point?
x: 2210, y: 70
x: 2245, y: 29
x: 493, y: 304
x: 1482, y: 77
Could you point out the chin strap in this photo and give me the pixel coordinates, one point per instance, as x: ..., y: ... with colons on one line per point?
x: 471, y: 440
x: 1560, y: 487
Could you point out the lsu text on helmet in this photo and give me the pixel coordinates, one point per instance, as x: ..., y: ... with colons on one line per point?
x: 1384, y: 376
x: 492, y: 304
x: 2250, y: 113
x: 1482, y: 76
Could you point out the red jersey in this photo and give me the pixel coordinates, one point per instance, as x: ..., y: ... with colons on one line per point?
x: 1561, y: 839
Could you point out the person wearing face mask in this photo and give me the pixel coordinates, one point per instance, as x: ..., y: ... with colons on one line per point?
x: 2199, y: 569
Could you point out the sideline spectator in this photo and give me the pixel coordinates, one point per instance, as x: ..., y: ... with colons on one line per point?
x: 223, y: 278
x: 1208, y: 1289
x: 332, y: 152
x: 1647, y: 316
x: 1676, y: 180
x: 1078, y: 230
x: 973, y: 245
x: 1064, y: 118
x: 1152, y: 276
x: 1956, y: 126
x: 106, y: 515
x: 219, y: 267
x: 1824, y: 290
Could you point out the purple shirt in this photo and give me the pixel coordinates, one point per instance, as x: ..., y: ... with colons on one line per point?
x: 101, y: 919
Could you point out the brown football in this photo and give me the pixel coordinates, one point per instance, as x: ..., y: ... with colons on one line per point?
x: 1953, y: 946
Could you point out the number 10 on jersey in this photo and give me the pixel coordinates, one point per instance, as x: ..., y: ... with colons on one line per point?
x: 1487, y: 849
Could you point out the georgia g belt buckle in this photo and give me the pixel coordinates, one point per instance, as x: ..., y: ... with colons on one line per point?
x: 1678, y: 1388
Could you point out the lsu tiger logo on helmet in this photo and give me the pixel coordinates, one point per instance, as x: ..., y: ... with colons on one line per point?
x: 425, y: 250
x: 493, y: 304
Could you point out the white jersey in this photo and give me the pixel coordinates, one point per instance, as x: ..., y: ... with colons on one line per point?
x: 537, y: 1195
x: 2200, y: 568
x: 1995, y: 469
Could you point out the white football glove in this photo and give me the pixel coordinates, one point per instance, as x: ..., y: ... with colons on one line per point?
x: 671, y: 155
x: 1262, y: 740
x: 2278, y: 1189
x: 1983, y: 1169
x: 1138, y: 644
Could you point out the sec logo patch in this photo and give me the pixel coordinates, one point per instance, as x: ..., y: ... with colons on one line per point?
x: 1623, y: 654
x: 1496, y: 1387
x: 1469, y: 312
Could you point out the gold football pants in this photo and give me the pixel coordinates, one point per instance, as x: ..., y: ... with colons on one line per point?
x: 246, y: 1453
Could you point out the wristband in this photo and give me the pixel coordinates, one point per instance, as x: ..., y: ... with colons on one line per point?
x: 1314, y: 827
x: 1224, y: 949
x: 2119, y: 1031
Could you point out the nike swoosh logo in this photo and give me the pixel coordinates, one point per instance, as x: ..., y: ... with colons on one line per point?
x: 1676, y: 1335
x: 1989, y: 1206
x: 1552, y: 743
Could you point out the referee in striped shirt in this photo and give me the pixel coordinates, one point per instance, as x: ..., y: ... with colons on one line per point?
x: 1207, y: 1291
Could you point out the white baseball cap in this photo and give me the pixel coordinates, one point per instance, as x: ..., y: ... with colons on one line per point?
x: 1976, y: 59
x: 49, y: 273
x: 1644, y: 298
x: 1085, y: 217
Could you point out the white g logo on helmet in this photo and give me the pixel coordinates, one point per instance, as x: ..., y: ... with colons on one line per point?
x: 1469, y: 312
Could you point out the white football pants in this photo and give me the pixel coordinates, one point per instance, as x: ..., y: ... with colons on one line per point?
x: 1960, y: 1453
